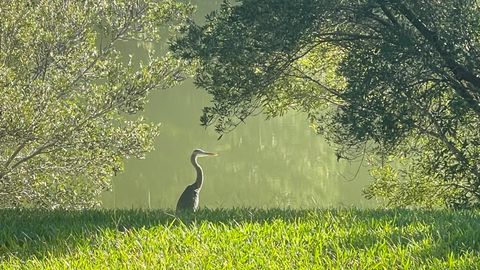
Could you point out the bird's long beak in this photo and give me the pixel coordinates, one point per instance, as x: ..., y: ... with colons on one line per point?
x: 212, y: 154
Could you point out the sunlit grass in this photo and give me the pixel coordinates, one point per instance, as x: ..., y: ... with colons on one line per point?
x: 240, y: 239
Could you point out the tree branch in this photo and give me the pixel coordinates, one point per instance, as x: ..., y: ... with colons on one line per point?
x: 461, y: 72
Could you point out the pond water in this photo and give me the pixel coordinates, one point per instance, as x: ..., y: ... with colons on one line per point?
x: 279, y: 162
x: 264, y: 163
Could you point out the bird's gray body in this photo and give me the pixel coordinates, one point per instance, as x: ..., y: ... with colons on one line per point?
x: 190, y: 198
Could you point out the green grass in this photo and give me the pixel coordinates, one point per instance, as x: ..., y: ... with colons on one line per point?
x: 240, y: 239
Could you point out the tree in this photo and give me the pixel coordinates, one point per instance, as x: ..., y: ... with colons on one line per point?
x: 396, y: 82
x: 69, y: 95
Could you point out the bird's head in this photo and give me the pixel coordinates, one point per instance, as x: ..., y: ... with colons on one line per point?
x: 203, y: 153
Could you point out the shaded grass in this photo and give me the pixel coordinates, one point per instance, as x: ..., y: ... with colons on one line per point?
x: 240, y: 239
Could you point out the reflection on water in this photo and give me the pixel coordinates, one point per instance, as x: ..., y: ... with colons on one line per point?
x: 274, y: 163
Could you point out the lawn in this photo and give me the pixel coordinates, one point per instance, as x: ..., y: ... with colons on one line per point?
x: 240, y: 239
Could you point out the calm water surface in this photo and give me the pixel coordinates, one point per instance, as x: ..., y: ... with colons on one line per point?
x: 265, y: 163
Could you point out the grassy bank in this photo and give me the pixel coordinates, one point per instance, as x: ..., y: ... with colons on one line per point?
x: 240, y: 239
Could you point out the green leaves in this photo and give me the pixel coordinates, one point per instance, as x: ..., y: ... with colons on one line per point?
x: 380, y: 79
x: 65, y: 90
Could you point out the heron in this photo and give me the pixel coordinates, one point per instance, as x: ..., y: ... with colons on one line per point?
x: 190, y: 199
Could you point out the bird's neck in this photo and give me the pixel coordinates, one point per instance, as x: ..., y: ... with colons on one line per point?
x: 199, y: 181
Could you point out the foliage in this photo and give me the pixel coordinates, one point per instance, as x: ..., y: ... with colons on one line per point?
x: 240, y: 238
x: 396, y: 82
x: 67, y: 93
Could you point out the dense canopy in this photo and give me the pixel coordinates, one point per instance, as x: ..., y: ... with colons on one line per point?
x: 67, y: 93
x: 394, y: 82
